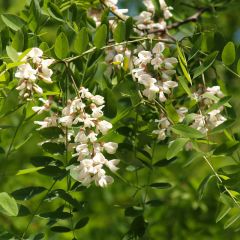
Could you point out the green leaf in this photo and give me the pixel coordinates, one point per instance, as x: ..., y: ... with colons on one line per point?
x: 129, y: 27
x: 187, y: 131
x: 138, y: 226
x: 12, y: 53
x: 61, y: 47
x: 39, y: 161
x: 229, y: 54
x: 162, y: 185
x: 100, y: 37
x: 55, y: 12
x: 224, y: 211
x: 181, y: 55
x: 53, y: 147
x: 18, y: 41
x: 231, y: 220
x: 238, y: 67
x: 207, y: 63
x: 133, y: 211
x: 29, y: 170
x: 8, y: 205
x: 82, y: 223
x: 119, y: 33
x: 164, y: 162
x: 53, y: 171
x: 12, y: 21
x: 81, y: 41
x: 184, y: 85
x: 110, y: 109
x: 171, y: 112
x: 202, y: 187
x: 51, y: 132
x: 221, y: 102
x: 222, y: 126
x: 27, y: 193
x: 175, y: 147
x: 185, y: 71
x: 60, y: 229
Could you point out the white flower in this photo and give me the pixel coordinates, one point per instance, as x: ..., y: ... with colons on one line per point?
x: 144, y: 57
x: 161, y: 134
x: 149, y: 5
x: 97, y: 99
x: 45, y: 73
x: 47, y: 122
x: 99, y: 158
x: 25, y: 71
x: 158, y: 48
x: 150, y: 92
x: 157, y: 61
x: 45, y: 107
x: 104, y: 126
x: 84, y: 92
x: 97, y: 111
x: 92, y: 137
x: 37, y: 89
x: 215, y: 90
x: 111, y: 164
x: 181, y: 113
x: 88, y: 122
x: 162, y: 97
x: 35, y: 54
x: 147, y: 80
x: 104, y: 181
x: 66, y: 121
x: 110, y: 147
x: 169, y: 63
x: 83, y: 149
x: 81, y: 137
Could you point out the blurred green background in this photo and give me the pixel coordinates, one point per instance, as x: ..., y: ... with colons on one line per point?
x: 175, y: 214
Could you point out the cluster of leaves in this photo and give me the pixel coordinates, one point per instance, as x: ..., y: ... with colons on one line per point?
x: 150, y: 169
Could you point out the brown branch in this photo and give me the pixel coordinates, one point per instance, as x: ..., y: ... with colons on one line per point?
x: 192, y: 18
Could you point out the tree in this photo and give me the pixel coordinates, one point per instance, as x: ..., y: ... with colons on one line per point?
x: 122, y: 121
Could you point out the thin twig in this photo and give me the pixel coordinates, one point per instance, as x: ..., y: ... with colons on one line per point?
x: 220, y: 180
x: 36, y: 210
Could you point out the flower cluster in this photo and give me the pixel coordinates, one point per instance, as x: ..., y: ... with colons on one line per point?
x: 112, y: 5
x: 117, y: 55
x: 160, y: 84
x: 164, y: 124
x: 206, y: 120
x: 33, y: 69
x: 82, y: 117
x: 144, y: 20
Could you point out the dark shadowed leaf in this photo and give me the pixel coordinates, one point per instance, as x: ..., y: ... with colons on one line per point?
x: 160, y: 185
x: 110, y: 109
x: 82, y: 223
x: 60, y: 229
x: 27, y: 193
x: 51, y: 132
